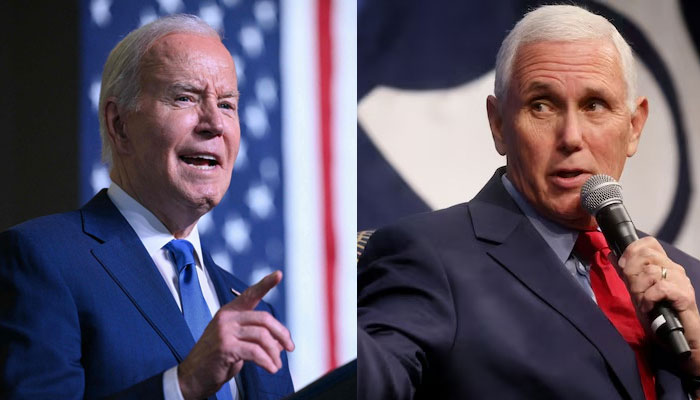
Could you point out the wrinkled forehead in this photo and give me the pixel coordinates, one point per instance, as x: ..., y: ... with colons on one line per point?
x: 184, y: 55
x: 590, y: 59
x: 602, y: 50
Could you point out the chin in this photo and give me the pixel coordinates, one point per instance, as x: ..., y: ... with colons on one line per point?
x: 207, y: 202
x: 578, y: 221
x: 572, y: 215
x: 203, y: 199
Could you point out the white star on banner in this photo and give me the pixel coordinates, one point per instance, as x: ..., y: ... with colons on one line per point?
x: 95, y: 93
x: 259, y: 200
x: 255, y: 120
x: 266, y: 14
x: 99, y: 178
x: 212, y: 15
x: 147, y: 15
x: 222, y: 259
x: 205, y: 223
x: 237, y: 234
x: 252, y: 40
x: 242, y: 157
x: 240, y: 68
x: 99, y: 11
x: 170, y: 6
x: 266, y: 91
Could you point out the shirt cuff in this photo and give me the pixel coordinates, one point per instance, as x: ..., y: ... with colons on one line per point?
x: 171, y: 385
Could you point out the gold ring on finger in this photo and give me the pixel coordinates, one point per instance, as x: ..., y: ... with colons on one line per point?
x: 664, y: 272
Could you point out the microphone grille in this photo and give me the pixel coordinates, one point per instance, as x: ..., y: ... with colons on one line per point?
x: 599, y: 191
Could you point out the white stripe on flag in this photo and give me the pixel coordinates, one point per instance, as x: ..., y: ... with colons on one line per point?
x: 306, y: 310
x: 345, y: 174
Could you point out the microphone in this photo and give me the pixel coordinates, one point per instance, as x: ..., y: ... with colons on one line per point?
x: 601, y: 196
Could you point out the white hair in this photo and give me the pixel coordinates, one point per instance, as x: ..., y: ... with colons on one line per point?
x: 120, y: 77
x: 562, y: 23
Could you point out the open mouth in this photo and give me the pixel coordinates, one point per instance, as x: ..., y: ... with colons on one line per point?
x: 570, y: 178
x: 569, y: 174
x: 200, y: 161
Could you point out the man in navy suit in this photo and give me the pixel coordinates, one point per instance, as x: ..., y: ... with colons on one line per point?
x: 493, y: 298
x: 93, y: 303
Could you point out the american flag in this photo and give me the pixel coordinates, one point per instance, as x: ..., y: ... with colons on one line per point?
x: 291, y: 203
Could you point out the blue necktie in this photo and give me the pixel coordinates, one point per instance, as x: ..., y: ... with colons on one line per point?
x: 194, y: 307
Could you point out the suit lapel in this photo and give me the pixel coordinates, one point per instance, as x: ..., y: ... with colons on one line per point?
x: 122, y: 255
x: 251, y: 379
x: 518, y: 247
x: 257, y: 383
x: 222, y: 285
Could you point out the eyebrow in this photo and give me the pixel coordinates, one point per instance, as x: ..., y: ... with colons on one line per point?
x: 234, y: 93
x: 183, y: 87
x: 537, y: 87
x: 597, y: 92
x: 189, y: 87
x: 542, y: 88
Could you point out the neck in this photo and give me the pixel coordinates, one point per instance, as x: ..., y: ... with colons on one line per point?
x: 178, y: 221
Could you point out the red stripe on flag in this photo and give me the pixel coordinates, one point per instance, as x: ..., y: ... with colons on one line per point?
x: 325, y: 68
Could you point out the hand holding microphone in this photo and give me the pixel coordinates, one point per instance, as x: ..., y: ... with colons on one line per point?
x: 644, y: 267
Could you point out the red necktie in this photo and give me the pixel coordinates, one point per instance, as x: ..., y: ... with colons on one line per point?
x: 615, y: 302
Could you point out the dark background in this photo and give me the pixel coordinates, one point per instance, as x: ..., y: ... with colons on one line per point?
x: 38, y: 109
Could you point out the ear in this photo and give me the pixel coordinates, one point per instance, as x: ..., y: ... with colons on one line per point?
x: 116, y: 126
x: 496, y: 124
x: 637, y: 121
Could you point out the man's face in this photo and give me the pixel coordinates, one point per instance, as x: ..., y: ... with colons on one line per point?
x: 565, y: 118
x: 183, y: 138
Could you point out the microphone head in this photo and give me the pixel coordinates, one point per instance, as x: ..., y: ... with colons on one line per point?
x: 599, y: 191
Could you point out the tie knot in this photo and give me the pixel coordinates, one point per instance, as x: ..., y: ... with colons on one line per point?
x: 182, y: 251
x: 589, y: 243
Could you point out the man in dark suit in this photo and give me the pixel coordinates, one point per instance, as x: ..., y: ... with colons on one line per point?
x: 120, y: 298
x: 498, y: 297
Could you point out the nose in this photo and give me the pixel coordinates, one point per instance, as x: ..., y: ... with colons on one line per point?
x: 570, y: 135
x: 210, y: 119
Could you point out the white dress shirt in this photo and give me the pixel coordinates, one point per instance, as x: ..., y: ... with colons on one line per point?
x: 154, y: 235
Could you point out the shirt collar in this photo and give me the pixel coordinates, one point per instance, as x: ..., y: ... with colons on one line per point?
x: 152, y: 233
x: 559, y: 238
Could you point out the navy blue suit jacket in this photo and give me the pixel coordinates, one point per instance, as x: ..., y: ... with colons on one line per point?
x: 84, y: 312
x: 470, y: 302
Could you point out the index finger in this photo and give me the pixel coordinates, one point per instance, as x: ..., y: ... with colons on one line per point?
x: 250, y: 298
